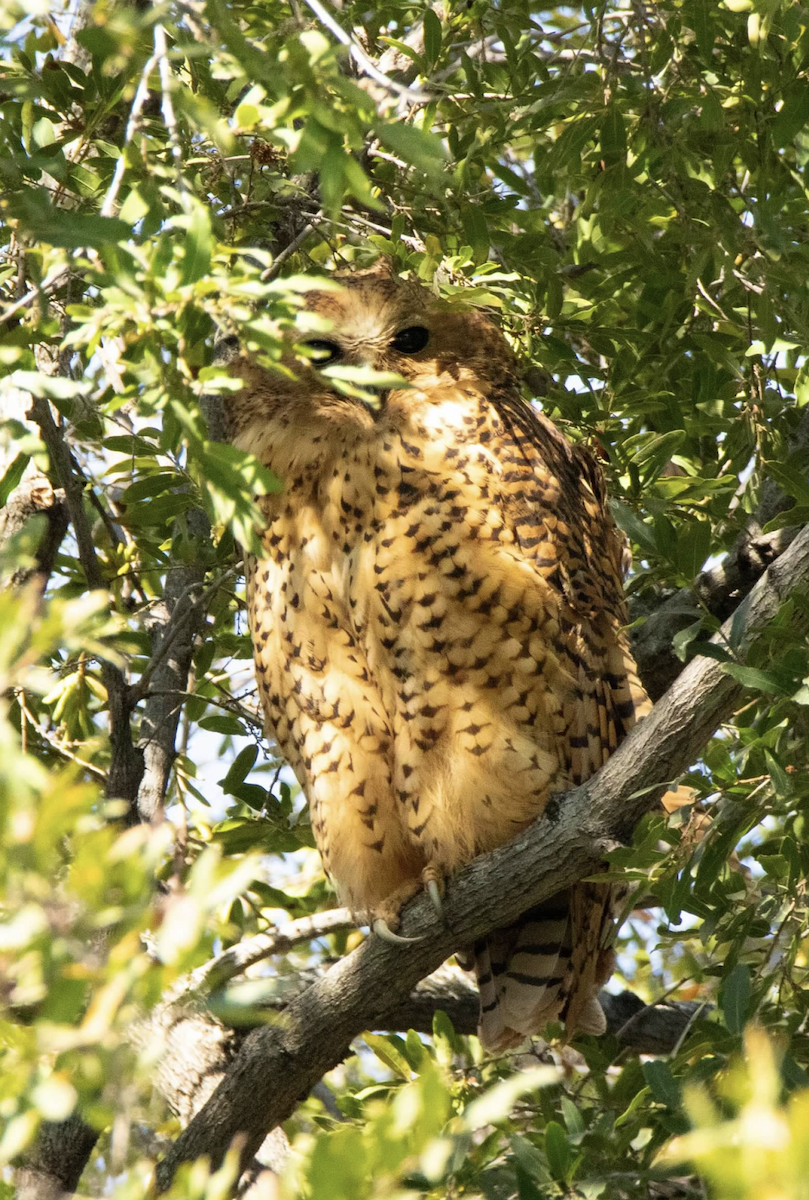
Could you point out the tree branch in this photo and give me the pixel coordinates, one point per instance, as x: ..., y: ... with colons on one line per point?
x: 174, y: 633
x: 35, y: 496
x: 238, y: 958
x: 54, y: 1166
x: 278, y: 1064
x: 126, y: 766
x: 644, y: 1028
x: 197, y: 1047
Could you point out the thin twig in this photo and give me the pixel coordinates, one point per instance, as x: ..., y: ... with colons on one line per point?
x: 51, y: 740
x: 132, y: 126
x: 237, y: 959
x: 274, y: 270
x: 42, y: 289
x: 362, y: 59
x: 648, y: 1007
x: 167, y: 108
x: 179, y: 619
x: 126, y: 765
x: 675, y: 1050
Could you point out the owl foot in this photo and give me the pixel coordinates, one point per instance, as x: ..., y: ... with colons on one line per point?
x: 385, y: 917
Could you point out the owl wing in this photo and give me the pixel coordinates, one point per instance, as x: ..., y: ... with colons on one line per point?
x: 554, y: 498
x: 551, y: 962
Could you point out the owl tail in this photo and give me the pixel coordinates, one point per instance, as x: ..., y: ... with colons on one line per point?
x: 547, y: 966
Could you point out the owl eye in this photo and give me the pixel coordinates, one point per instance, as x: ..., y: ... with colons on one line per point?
x: 324, y: 352
x: 411, y: 340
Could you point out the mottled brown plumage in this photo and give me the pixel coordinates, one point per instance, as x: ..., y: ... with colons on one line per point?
x: 437, y: 620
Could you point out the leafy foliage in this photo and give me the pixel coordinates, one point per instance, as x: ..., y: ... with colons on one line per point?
x: 625, y: 187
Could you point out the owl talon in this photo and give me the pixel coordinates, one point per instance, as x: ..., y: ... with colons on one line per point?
x: 434, y: 892
x: 384, y: 931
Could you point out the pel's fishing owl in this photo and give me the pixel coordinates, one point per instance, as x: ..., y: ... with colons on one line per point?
x: 437, y: 618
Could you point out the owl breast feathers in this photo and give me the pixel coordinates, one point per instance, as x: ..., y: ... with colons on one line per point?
x: 437, y: 621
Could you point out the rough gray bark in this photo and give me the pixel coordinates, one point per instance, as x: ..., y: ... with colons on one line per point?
x: 196, y: 1049
x: 179, y: 1022
x: 35, y: 498
x: 53, y: 1168
x: 278, y: 1064
x: 176, y: 624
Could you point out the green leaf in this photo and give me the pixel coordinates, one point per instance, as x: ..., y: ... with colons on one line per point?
x: 779, y: 777
x: 43, y: 133
x: 403, y: 48
x: 714, y: 650
x: 557, y: 1150
x: 416, y: 146
x: 251, y: 794
x: 131, y: 444
x: 776, y: 866
x: 152, y: 485
x: 388, y: 1051
x: 660, y: 447
x: 432, y: 36
x: 633, y: 526
x: 736, y: 998
x: 239, y: 769
x: 45, y: 222
x: 792, y: 481
x: 573, y: 1118
x: 684, y: 639
x: 612, y: 136
x: 699, y: 15
x: 414, y: 1049
x: 693, y: 548
x: 197, y: 244
x: 226, y: 725
x: 445, y: 1039
x: 637, y: 1101
x: 12, y: 477
x: 55, y: 387
x: 532, y: 1171
x: 794, y: 115
x: 496, y: 1104
x: 240, y: 834
x: 476, y: 231
x: 752, y: 677
x: 663, y: 1085
x: 157, y: 512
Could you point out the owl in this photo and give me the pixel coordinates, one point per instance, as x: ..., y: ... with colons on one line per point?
x: 437, y: 616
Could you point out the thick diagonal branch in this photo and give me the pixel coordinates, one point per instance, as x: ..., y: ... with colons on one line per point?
x: 279, y: 1064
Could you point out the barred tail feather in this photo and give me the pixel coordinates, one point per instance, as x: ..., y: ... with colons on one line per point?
x: 546, y: 966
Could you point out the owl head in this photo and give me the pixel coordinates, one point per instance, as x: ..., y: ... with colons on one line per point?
x: 374, y: 320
